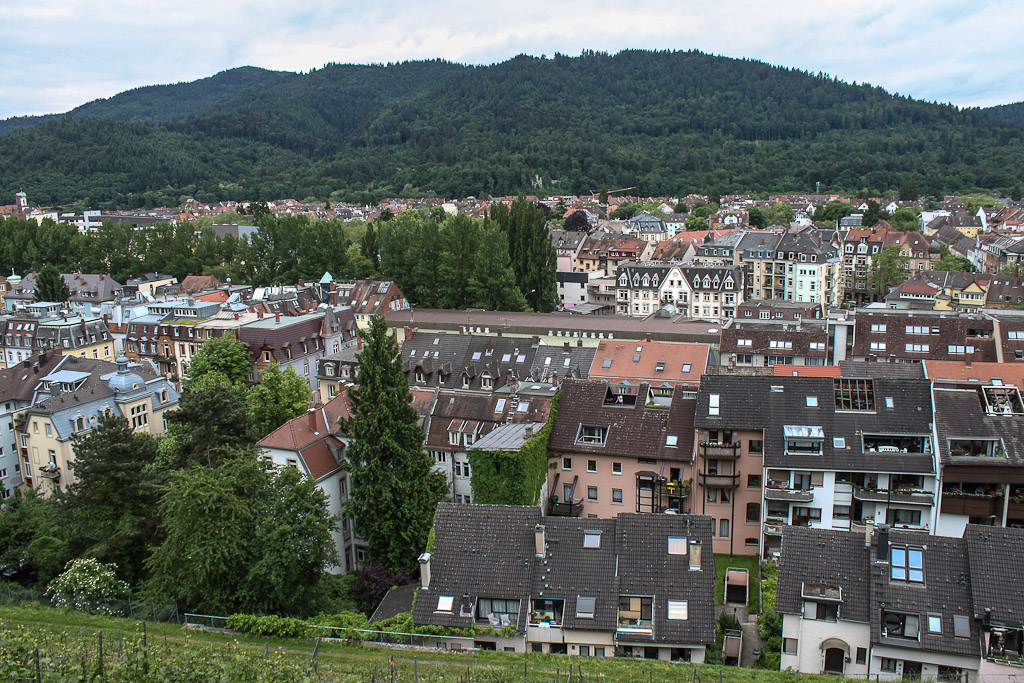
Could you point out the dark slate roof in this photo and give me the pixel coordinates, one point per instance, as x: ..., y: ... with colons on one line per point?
x: 996, y: 557
x: 838, y: 559
x: 751, y: 403
x: 395, y: 601
x: 444, y: 359
x: 952, y: 330
x: 482, y: 550
x: 960, y: 413
x: 761, y: 335
x: 946, y: 591
x: 646, y: 568
x: 859, y: 368
x: 489, y: 551
x: 567, y: 361
x: 636, y: 431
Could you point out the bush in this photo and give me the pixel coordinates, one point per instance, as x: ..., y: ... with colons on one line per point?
x: 86, y: 585
x: 269, y: 626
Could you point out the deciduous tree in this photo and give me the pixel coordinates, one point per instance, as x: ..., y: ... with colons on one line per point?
x: 279, y: 397
x: 887, y: 268
x: 225, y: 355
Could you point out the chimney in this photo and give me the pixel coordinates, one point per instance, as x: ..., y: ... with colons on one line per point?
x: 869, y: 530
x: 579, y: 342
x: 236, y: 316
x: 540, y: 540
x: 647, y: 338
x: 695, y: 552
x: 408, y: 333
x: 311, y: 414
x: 554, y: 379
x: 259, y: 313
x: 424, y: 561
x: 883, y: 544
x: 565, y: 346
x: 462, y: 329
x: 359, y: 341
x: 277, y: 317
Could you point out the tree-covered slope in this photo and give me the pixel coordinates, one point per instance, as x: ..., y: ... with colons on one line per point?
x: 1013, y: 113
x: 161, y: 103
x: 665, y: 122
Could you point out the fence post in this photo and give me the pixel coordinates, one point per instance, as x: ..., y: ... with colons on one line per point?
x: 120, y: 645
x: 524, y: 669
x: 100, y: 636
x: 415, y: 669
x: 39, y: 673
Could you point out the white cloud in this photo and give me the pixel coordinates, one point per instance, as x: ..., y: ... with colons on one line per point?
x: 65, y: 52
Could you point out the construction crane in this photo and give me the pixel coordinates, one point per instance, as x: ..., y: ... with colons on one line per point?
x: 611, y: 191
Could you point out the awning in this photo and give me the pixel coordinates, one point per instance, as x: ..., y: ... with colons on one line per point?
x: 830, y: 643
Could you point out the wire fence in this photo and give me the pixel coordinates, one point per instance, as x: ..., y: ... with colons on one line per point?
x: 130, y: 609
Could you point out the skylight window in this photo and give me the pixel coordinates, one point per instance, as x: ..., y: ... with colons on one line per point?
x: 713, y: 404
x: 660, y: 367
x: 476, y: 355
x: 686, y: 367
x: 444, y: 603
x: 678, y: 610
x: 812, y: 401
x: 506, y: 358
x: 677, y: 545
x: 585, y: 607
x: 591, y: 539
x: 672, y: 441
x: 606, y: 363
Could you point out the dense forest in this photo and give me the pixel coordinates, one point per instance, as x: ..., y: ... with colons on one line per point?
x: 1014, y: 113
x: 664, y: 122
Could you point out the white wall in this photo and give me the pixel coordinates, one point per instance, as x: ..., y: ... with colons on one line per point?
x: 809, y: 635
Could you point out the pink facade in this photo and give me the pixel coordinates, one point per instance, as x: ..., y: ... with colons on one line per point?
x: 728, y: 472
x: 610, y: 484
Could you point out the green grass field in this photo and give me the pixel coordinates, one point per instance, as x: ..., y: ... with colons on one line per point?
x: 68, y: 644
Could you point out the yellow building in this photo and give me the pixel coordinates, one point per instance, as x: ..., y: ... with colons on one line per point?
x: 73, y: 401
x: 80, y: 336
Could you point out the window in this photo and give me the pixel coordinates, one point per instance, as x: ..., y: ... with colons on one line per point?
x: 712, y: 495
x: 635, y: 612
x: 591, y: 539
x: 878, y: 328
x: 959, y: 350
x: 591, y: 466
x: 821, y: 611
x: 789, y: 646
x: 677, y: 545
x: 756, y: 446
x: 723, y: 528
x: 895, y: 625
x: 687, y: 367
x: 854, y: 394
x: 744, y: 342
x: 678, y: 610
x: 713, y: 404
x: 672, y: 441
x: 616, y: 468
x: 660, y: 367
x: 917, y: 348
x: 486, y: 382
x: 878, y: 346
x: 907, y: 564
x: 453, y: 438
x: 606, y: 363
x: 444, y: 603
x: 585, y: 607
x: 753, y: 481
x: 591, y: 493
x: 935, y: 623
x: 812, y: 401
x: 617, y: 495
x: 889, y: 665
x: 419, y: 377
x: 862, y: 655
x: 566, y: 463
x: 49, y: 429
x: 753, y: 513
x: 593, y: 435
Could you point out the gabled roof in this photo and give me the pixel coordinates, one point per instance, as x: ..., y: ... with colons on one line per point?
x: 837, y: 559
x: 996, y: 557
x: 636, y: 361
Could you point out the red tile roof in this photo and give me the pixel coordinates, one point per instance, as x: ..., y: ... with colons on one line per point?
x: 1009, y: 373
x: 806, y: 370
x: 314, y: 426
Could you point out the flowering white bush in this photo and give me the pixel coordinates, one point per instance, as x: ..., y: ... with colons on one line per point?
x: 86, y: 584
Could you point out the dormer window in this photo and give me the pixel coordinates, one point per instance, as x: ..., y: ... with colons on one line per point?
x: 907, y: 564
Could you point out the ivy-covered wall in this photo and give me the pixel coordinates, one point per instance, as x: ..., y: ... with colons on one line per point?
x: 513, y: 477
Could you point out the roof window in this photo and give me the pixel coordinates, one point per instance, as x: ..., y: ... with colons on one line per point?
x: 591, y: 539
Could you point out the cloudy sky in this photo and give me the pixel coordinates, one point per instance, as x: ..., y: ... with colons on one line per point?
x: 57, y: 54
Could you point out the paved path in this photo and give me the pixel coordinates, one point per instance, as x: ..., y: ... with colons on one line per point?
x: 748, y: 624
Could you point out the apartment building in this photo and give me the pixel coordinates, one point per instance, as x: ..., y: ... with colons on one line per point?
x: 69, y: 402
x: 633, y: 586
x: 620, y: 449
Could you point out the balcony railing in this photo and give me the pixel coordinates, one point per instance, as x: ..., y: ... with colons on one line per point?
x: 883, y: 496
x: 789, y: 495
x: 721, y: 481
x: 973, y: 505
x: 711, y: 449
x: 565, y: 508
x: 49, y: 472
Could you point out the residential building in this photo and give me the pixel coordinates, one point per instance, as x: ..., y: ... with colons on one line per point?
x: 314, y: 444
x: 752, y: 342
x: 367, y: 298
x: 620, y: 449
x: 837, y: 452
x: 88, y: 292
x: 76, y: 336
x: 17, y: 389
x: 69, y: 402
x: 890, y: 605
x: 634, y: 586
x: 337, y: 370
x: 913, y: 336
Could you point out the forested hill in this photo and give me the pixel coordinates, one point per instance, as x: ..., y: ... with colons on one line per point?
x: 161, y: 103
x: 666, y: 122
x: 1014, y: 113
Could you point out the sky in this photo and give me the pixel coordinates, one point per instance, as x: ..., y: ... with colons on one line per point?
x: 58, y: 54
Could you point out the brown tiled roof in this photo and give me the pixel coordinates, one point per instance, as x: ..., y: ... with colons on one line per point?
x: 960, y: 371
x: 314, y: 426
x: 193, y: 284
x: 18, y: 382
x: 952, y: 330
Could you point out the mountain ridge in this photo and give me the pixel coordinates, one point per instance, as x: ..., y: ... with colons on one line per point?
x: 668, y: 122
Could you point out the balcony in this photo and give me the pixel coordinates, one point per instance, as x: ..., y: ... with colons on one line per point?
x: 883, y: 496
x: 789, y: 495
x: 773, y: 526
x: 49, y: 472
x: 673, y: 489
x: 722, y: 481
x: 973, y: 505
x: 714, y: 449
